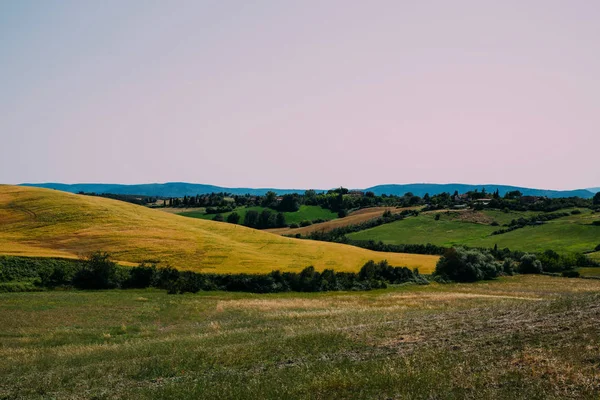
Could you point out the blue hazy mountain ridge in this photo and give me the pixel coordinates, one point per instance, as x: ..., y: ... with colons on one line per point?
x: 180, y: 189
x: 594, y: 190
x: 169, y: 189
x: 420, y: 189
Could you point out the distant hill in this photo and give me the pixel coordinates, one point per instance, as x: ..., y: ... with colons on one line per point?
x: 170, y: 189
x: 594, y: 190
x: 419, y: 189
x: 180, y: 189
x: 51, y: 223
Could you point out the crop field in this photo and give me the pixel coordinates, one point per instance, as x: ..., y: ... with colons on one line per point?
x: 43, y: 222
x: 353, y: 218
x: 523, y: 337
x: 574, y: 233
x: 591, y: 271
x: 305, y: 213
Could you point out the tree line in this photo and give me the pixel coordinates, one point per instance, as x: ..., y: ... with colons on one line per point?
x: 98, y: 271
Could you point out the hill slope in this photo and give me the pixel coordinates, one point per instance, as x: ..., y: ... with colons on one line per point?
x: 45, y: 222
x: 571, y: 234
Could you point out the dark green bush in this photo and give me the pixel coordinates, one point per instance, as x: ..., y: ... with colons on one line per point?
x: 571, y: 274
x: 529, y: 264
x: 98, y: 272
x: 462, y: 265
x: 218, y: 218
x: 141, y: 276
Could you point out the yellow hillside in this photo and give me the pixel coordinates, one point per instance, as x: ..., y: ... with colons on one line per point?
x: 43, y: 222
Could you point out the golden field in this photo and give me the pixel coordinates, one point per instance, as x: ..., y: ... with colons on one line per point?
x: 49, y: 223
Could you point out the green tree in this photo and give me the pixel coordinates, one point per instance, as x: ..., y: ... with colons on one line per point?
x: 530, y: 265
x: 596, y: 199
x: 265, y: 219
x: 289, y: 203
x: 461, y: 265
x: 98, y: 272
x: 280, y: 220
x: 233, y: 218
x: 270, y: 199
x: 251, y: 218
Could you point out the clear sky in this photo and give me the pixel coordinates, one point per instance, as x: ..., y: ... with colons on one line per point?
x: 311, y: 93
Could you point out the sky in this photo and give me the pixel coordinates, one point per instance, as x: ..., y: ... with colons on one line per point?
x: 301, y: 94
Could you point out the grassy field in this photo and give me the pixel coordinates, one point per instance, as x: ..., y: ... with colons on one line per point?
x: 589, y: 271
x: 525, y: 337
x: 305, y: 213
x: 43, y: 222
x: 568, y: 234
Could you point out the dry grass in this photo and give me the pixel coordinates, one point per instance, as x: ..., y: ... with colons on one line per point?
x: 523, y: 337
x: 179, y: 210
x: 44, y: 222
x: 356, y: 217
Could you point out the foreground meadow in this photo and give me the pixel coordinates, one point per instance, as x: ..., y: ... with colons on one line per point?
x: 519, y: 337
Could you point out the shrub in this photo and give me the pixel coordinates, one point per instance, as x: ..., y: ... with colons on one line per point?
x: 597, y: 248
x: 305, y: 223
x: 98, y: 272
x: 280, y: 220
x: 294, y: 225
x: 437, y: 217
x: 529, y: 264
x: 165, y: 277
x: 218, y: 217
x: 140, y: 277
x: 461, y: 265
x: 596, y: 223
x: 342, y: 213
x: 233, y: 218
x: 571, y: 274
x: 508, y: 267
x: 575, y: 212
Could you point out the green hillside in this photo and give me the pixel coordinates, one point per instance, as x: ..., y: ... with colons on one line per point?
x: 574, y: 233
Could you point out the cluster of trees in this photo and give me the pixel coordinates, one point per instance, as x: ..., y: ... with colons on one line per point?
x: 338, y: 200
x: 253, y: 219
x: 514, y: 201
x: 470, y: 265
x: 99, y: 272
x: 218, y: 200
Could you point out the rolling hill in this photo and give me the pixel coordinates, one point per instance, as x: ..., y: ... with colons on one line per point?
x: 42, y: 222
x: 180, y: 189
x: 571, y: 234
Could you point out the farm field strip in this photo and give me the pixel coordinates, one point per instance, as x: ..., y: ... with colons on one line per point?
x: 353, y: 218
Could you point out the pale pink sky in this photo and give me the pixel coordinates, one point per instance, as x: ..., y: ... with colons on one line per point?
x: 301, y: 93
